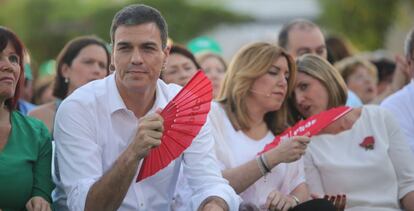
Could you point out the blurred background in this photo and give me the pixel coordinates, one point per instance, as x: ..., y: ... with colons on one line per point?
x: 46, y: 25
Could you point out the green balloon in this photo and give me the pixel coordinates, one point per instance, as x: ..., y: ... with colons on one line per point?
x: 28, y: 72
x: 47, y: 68
x: 204, y: 44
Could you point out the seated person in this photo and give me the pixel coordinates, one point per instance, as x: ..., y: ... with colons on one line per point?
x: 363, y: 154
x: 25, y: 146
x: 250, y: 111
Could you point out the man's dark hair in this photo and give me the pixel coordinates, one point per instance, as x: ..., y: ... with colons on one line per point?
x: 136, y: 14
x: 283, y: 39
x: 409, y: 44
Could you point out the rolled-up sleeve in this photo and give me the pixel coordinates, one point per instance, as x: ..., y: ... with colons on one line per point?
x: 79, y: 156
x: 203, y: 173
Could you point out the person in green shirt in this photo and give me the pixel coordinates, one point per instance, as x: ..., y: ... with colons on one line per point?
x: 25, y: 145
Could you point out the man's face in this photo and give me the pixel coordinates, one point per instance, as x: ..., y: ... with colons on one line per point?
x: 138, y: 56
x: 303, y: 40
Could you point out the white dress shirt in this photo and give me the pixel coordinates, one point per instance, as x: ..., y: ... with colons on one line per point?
x: 93, y: 127
x: 371, y: 179
x: 401, y: 105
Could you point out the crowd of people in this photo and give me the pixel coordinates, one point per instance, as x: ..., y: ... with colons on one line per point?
x: 83, y: 147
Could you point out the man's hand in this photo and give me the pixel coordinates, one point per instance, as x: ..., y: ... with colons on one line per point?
x: 37, y: 203
x: 214, y: 203
x: 149, y: 134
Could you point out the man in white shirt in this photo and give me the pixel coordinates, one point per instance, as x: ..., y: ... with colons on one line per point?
x: 301, y: 37
x: 401, y: 103
x: 105, y: 129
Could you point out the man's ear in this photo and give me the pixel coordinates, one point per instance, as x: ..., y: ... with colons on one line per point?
x: 112, y: 56
x: 167, y: 51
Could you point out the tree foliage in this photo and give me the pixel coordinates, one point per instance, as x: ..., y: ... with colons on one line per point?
x: 364, y: 22
x: 46, y: 25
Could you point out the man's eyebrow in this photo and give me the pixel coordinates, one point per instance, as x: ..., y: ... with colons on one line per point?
x: 149, y: 43
x: 123, y: 43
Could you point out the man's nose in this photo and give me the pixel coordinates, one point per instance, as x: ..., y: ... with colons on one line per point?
x: 136, y: 57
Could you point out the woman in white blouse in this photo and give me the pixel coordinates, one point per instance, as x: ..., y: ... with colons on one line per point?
x: 363, y: 154
x: 249, y: 112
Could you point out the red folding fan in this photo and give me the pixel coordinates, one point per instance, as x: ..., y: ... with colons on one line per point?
x: 183, y: 118
x: 311, y: 126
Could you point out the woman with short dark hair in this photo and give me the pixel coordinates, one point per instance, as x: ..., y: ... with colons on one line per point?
x: 25, y: 146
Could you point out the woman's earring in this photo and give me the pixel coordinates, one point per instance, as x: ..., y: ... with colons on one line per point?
x: 111, y: 67
x: 66, y: 80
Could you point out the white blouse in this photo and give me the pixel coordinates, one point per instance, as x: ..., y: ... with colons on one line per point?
x: 372, y: 179
x: 234, y: 148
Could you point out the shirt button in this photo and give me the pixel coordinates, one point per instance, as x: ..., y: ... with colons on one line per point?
x: 142, y: 204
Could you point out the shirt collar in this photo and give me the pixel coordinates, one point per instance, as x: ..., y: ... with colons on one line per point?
x: 116, y: 102
x: 160, y: 97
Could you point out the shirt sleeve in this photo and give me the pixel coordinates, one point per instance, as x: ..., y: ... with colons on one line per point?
x: 42, y: 177
x: 76, y: 143
x: 404, y: 114
x: 313, y: 177
x: 401, y: 156
x: 296, y: 174
x: 203, y: 173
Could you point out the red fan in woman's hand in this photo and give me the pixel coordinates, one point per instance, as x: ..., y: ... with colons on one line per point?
x: 311, y: 126
x: 183, y: 118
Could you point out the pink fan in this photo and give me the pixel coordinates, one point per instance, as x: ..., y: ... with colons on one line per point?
x: 311, y: 126
x: 183, y: 117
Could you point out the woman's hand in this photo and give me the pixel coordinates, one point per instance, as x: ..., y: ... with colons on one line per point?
x: 37, y: 203
x: 288, y: 151
x: 278, y: 201
x: 339, y: 201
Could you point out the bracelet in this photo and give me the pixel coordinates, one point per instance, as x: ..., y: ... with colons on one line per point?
x: 265, y: 164
x: 261, y: 167
x: 295, y: 199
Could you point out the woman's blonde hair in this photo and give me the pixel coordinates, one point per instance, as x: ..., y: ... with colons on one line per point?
x: 347, y: 67
x: 320, y: 69
x: 249, y: 63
